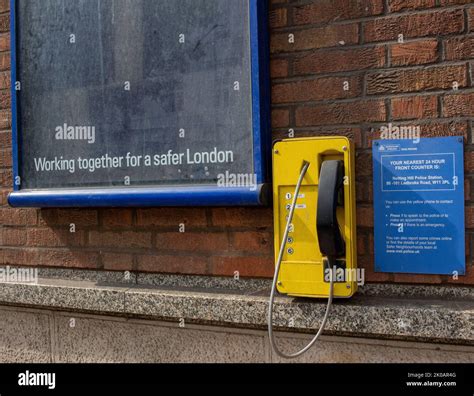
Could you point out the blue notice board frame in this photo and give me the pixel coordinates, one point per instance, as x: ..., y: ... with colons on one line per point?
x: 419, y: 206
x: 179, y: 195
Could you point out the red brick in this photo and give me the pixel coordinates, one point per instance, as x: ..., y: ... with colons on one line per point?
x: 6, y: 178
x: 12, y: 236
x: 341, y: 113
x: 116, y: 218
x: 324, y: 11
x: 10, y: 216
x: 440, y: 77
x: 47, y: 237
x: 415, y: 25
x: 4, y: 61
x: 352, y: 133
x: 4, y: 23
x: 310, y: 39
x: 469, y: 161
x: 364, y: 164
x: 278, y: 17
x: 417, y: 278
x: 280, y: 118
x: 470, y: 16
x: 365, y: 216
x: 193, y: 241
x: 242, y: 217
x: 4, y: 5
x: 403, y: 5
x: 458, y: 105
x: 5, y: 158
x: 173, y: 264
x: 414, y: 107
x: 331, y: 61
x: 4, y: 197
x: 117, y: 261
x: 279, y: 68
x: 414, y: 53
x: 459, y: 48
x: 5, y: 42
x: 126, y: 239
x: 245, y: 266
x: 5, y: 123
x: 254, y: 242
x: 166, y: 217
x: 64, y: 258
x: 317, y: 89
x: 454, y: 2
x: 469, y: 214
x: 367, y: 263
x: 78, y: 217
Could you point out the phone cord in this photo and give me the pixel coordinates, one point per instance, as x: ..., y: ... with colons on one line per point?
x: 275, y: 279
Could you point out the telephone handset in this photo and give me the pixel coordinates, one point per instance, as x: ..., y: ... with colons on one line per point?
x: 330, y: 189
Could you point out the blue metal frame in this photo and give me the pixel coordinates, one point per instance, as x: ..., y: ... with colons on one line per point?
x: 197, y: 195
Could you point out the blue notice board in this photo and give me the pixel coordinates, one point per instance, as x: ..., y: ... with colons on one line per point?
x: 419, y: 206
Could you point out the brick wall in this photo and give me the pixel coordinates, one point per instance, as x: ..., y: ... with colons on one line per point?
x: 338, y: 67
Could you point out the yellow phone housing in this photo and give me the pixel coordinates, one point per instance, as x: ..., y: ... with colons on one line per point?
x: 302, y: 269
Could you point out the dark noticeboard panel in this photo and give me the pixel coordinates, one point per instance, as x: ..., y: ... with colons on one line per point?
x: 138, y: 97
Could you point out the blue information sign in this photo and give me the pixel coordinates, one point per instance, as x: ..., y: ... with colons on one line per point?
x: 419, y: 206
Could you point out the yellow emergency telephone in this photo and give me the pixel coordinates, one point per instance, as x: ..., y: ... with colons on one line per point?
x: 314, y: 222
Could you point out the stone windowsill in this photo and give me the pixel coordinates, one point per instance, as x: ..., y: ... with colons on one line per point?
x: 423, y: 313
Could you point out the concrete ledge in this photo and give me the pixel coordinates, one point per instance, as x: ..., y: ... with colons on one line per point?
x: 427, y: 313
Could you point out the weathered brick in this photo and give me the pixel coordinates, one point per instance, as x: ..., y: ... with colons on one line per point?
x: 4, y: 5
x: 252, y: 242
x: 317, y: 89
x: 280, y: 118
x: 190, y: 217
x: 116, y: 218
x: 244, y: 266
x: 5, y: 42
x: 403, y: 5
x: 341, y: 113
x: 414, y: 53
x: 324, y: 11
x: 414, y: 107
x: 413, y: 80
x: 193, y: 241
x: 242, y: 217
x: 458, y: 105
x: 12, y: 237
x: 126, y: 239
x: 4, y: 23
x: 66, y: 217
x: 279, y: 68
x: 310, y: 39
x: 278, y: 17
x: 50, y: 237
x: 415, y: 25
x: 459, y: 48
x: 10, y: 216
x: 330, y: 61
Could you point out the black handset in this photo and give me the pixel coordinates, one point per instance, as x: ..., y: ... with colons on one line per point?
x: 331, y: 183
